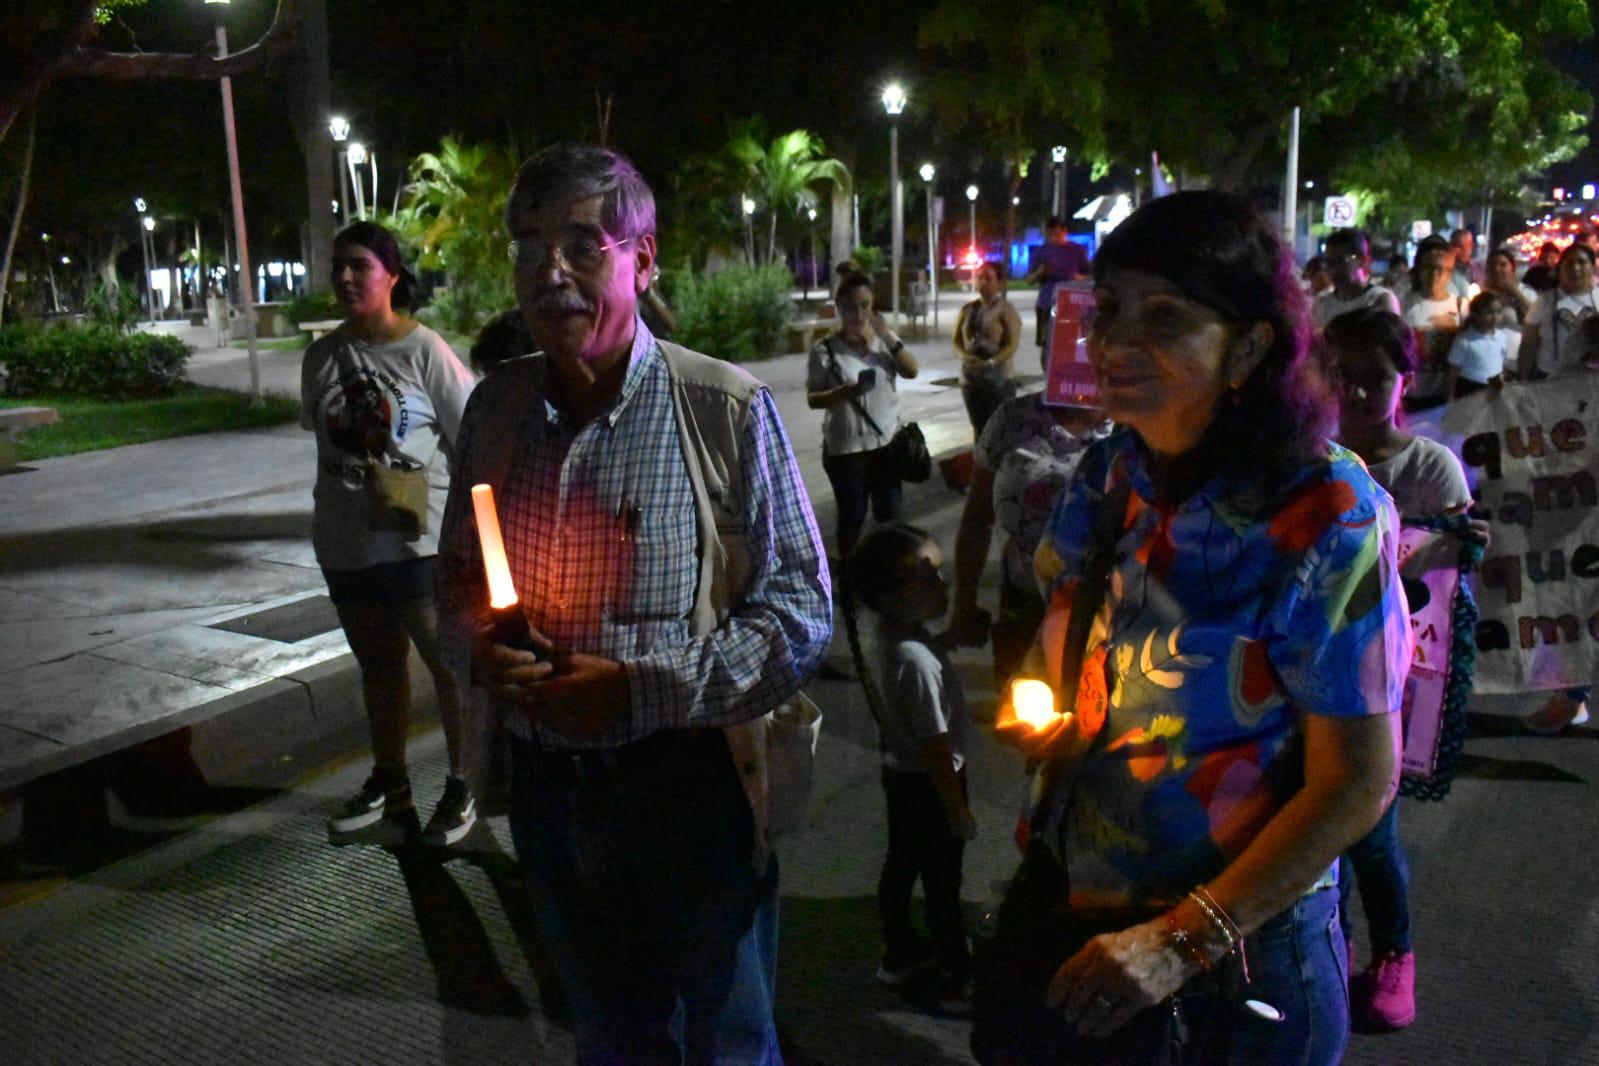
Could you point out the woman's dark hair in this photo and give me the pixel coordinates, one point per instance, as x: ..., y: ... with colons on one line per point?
x: 850, y: 282
x: 1576, y: 248
x: 1374, y: 329
x: 1220, y: 252
x: 1503, y: 253
x: 1424, y: 248
x: 1485, y: 298
x: 992, y: 268
x: 382, y: 244
x: 502, y: 338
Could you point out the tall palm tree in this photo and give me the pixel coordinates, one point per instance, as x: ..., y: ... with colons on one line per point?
x: 784, y: 176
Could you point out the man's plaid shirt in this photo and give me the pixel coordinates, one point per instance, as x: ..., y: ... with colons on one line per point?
x: 600, y: 529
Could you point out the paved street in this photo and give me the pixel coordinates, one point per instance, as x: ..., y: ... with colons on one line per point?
x: 250, y: 939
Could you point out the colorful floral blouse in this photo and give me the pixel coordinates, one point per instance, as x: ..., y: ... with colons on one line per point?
x: 1218, y: 631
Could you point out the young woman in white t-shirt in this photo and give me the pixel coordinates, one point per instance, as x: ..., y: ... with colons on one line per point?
x: 851, y: 379
x: 384, y: 389
x: 1375, y: 354
x: 1436, y: 314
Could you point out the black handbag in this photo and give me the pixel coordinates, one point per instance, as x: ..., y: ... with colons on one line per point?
x: 907, y: 447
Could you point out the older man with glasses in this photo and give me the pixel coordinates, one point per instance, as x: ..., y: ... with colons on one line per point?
x: 652, y: 879
x: 1348, y: 258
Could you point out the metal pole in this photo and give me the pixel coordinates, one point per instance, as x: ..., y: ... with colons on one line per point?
x: 149, y: 287
x: 856, y: 221
x: 936, y: 228
x: 932, y: 263
x: 247, y: 277
x: 899, y: 215
x: 344, y: 183
x: 1291, y: 185
x: 372, y: 157
x: 973, y: 205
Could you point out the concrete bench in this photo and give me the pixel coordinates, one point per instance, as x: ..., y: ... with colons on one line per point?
x: 806, y: 329
x: 317, y: 329
x: 15, y: 421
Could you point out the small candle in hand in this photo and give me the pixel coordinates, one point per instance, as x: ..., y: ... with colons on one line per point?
x: 1034, y: 703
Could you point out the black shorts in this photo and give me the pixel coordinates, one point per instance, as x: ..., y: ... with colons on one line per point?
x: 399, y: 582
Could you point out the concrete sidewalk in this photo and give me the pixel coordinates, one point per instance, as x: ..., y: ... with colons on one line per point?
x: 171, y: 584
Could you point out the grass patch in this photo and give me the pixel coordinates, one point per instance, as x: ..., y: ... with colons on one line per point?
x: 89, y: 425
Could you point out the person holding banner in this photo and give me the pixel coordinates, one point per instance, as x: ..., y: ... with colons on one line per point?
x: 987, y: 333
x: 1559, y: 338
x: 1374, y: 355
x: 1235, y: 723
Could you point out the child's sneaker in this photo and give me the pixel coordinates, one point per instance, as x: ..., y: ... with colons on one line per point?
x: 455, y: 816
x: 1383, y: 998
x: 900, y: 966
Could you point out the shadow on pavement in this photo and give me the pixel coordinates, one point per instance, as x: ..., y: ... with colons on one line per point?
x: 1502, y: 725
x: 829, y: 1003
x: 1485, y: 767
x: 458, y: 946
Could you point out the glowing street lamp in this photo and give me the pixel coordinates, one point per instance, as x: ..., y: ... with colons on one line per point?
x: 748, y: 207
x: 1057, y: 157
x: 146, y: 225
x: 894, y: 100
x: 356, y: 154
x: 339, y: 127
x: 246, y: 279
x: 810, y: 213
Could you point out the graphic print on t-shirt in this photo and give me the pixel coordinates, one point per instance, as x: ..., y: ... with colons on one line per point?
x: 362, y: 413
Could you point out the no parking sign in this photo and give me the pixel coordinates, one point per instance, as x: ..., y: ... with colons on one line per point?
x: 1339, y: 212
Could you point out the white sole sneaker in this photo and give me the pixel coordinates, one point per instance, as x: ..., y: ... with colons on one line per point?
x: 443, y: 838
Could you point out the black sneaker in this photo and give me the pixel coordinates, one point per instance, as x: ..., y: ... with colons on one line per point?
x: 899, y: 966
x: 455, y: 816
x: 952, y: 987
x: 376, y: 800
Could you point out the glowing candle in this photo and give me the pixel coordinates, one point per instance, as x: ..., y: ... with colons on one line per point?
x: 1034, y: 703
x: 502, y: 592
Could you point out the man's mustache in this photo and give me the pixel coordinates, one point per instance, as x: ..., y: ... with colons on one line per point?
x: 558, y: 301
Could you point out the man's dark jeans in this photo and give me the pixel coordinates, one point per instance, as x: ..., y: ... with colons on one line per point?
x: 650, y: 906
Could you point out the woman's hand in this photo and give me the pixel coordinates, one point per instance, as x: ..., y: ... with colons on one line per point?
x: 1061, y: 740
x: 880, y: 328
x: 1116, y: 975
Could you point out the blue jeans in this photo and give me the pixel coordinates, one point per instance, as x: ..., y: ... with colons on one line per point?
x: 1380, y: 868
x: 1297, y: 964
x: 650, y: 907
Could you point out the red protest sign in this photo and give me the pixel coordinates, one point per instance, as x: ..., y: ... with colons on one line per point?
x: 1069, y: 380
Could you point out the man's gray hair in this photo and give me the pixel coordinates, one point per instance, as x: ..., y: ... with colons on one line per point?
x: 567, y: 172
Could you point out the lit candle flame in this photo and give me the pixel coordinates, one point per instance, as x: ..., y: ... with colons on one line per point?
x: 1034, y: 703
x: 502, y: 592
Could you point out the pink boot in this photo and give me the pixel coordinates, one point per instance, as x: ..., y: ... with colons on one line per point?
x: 1383, y: 998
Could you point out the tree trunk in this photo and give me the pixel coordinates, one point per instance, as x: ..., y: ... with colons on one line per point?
x: 316, y: 142
x: 22, y: 205
x: 842, y: 238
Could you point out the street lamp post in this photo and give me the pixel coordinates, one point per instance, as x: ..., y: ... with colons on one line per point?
x: 146, y: 223
x: 246, y: 278
x: 1057, y: 156
x: 928, y: 171
x: 971, y: 197
x: 748, y: 207
x: 339, y: 127
x: 810, y: 213
x: 894, y: 99
x: 356, y: 155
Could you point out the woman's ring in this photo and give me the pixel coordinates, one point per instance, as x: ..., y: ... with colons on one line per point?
x: 1103, y: 1002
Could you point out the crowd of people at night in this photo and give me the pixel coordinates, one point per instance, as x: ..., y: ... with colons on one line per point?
x: 1202, y: 568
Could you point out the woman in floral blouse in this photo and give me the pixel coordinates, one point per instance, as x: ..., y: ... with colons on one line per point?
x: 1236, y: 727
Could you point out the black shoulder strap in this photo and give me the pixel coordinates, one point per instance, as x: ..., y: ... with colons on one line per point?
x: 832, y: 361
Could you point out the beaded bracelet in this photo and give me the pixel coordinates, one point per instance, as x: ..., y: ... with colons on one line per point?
x: 1220, y: 919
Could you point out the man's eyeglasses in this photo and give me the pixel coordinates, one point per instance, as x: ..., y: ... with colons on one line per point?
x: 577, y: 253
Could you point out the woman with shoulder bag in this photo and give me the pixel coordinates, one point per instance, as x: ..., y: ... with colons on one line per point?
x: 384, y: 395
x: 1225, y: 624
x: 851, y: 379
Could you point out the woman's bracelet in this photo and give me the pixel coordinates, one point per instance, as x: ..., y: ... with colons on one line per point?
x: 1177, y: 935
x: 1219, y: 918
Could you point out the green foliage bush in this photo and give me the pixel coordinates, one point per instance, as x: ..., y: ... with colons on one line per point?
x: 313, y: 307
x: 113, y: 306
x: 93, y: 361
x: 736, y: 314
